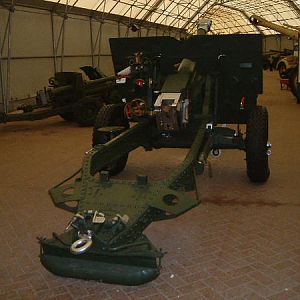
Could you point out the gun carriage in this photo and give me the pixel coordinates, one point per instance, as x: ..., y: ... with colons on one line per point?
x: 69, y: 96
x: 176, y: 94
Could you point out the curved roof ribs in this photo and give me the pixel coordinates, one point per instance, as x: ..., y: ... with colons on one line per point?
x: 196, y: 13
x: 149, y: 13
x: 245, y: 15
x: 293, y: 5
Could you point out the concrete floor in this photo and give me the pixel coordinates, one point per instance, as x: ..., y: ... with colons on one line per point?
x: 242, y: 242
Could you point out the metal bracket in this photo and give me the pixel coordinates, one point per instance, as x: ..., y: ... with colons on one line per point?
x: 209, y: 126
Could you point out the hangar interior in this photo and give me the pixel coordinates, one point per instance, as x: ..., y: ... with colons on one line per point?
x: 241, y: 242
x: 39, y: 37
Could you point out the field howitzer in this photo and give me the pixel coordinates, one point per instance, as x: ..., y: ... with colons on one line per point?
x: 288, y: 66
x: 173, y: 100
x: 69, y: 96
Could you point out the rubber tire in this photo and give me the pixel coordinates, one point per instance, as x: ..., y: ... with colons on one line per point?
x: 282, y: 69
x: 293, y: 80
x: 85, y: 112
x: 256, y: 145
x: 110, y: 115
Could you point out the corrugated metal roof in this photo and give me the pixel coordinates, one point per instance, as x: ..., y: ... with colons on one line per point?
x: 228, y: 16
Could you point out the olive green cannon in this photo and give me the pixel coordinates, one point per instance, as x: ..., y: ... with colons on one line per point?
x: 172, y: 99
x: 69, y: 96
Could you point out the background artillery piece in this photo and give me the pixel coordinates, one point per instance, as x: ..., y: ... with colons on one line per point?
x: 288, y: 66
x: 69, y: 96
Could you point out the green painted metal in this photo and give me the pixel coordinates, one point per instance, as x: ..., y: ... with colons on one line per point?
x: 68, y: 91
x: 104, y: 240
x: 142, y: 203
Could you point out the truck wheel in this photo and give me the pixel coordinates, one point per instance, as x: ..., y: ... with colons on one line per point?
x: 256, y: 145
x: 282, y: 69
x: 110, y: 115
x: 85, y: 112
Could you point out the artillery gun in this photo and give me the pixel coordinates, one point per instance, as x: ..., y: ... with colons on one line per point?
x: 290, y: 61
x: 69, y: 96
x: 288, y: 65
x: 178, y: 94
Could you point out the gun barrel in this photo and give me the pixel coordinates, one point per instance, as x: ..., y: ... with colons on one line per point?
x: 100, y: 80
x: 89, y: 87
x: 259, y: 21
x: 61, y: 89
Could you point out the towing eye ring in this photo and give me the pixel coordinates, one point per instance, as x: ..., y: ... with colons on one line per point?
x: 82, y: 244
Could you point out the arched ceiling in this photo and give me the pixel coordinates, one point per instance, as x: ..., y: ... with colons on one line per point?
x: 228, y: 16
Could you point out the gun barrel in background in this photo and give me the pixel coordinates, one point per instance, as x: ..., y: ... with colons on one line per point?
x: 259, y: 21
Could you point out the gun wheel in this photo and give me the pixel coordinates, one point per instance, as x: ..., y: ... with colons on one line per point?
x: 256, y: 145
x: 86, y: 111
x: 110, y: 115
